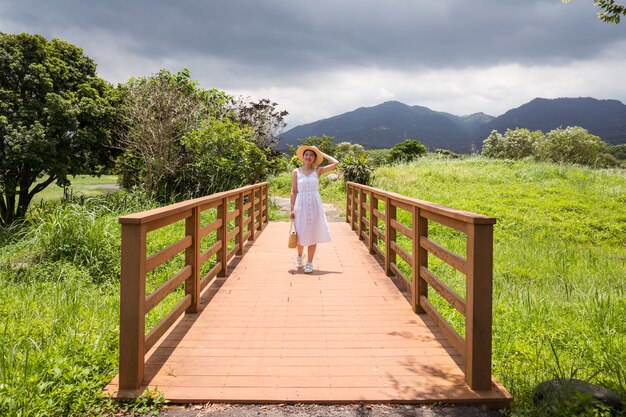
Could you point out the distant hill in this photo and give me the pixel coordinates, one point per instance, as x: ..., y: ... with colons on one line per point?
x: 604, y: 118
x: 389, y: 123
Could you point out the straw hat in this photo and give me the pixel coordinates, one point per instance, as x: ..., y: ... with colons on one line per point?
x: 300, y: 154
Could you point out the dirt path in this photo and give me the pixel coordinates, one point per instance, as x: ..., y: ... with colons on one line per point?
x: 314, y: 410
x: 332, y: 213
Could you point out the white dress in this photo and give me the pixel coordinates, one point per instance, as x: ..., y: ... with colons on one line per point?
x: 310, y: 220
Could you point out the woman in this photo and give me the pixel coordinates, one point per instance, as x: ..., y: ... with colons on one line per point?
x: 307, y: 211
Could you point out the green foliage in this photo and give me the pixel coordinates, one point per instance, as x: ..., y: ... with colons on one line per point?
x: 147, y: 404
x: 56, y: 118
x: 407, y: 151
x: 60, y: 307
x: 559, y: 251
x: 618, y: 151
x: 612, y: 11
x: 324, y: 143
x: 222, y: 158
x: 570, y: 145
x: 573, y: 145
x: 345, y: 150
x: 378, y: 157
x: 156, y: 112
x: 514, y: 144
x: 446, y: 153
x: 355, y: 169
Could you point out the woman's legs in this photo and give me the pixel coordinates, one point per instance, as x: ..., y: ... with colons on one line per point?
x: 300, y: 249
x: 311, y: 252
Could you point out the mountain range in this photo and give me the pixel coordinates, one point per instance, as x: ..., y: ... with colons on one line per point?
x: 392, y: 122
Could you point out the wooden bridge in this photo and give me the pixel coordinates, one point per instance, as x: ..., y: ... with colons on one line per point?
x: 259, y: 330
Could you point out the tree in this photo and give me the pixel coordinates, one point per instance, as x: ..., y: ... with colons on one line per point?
x: 612, y: 11
x: 156, y: 112
x: 407, y: 151
x: 222, y: 157
x: 574, y: 145
x: 263, y: 117
x: 56, y: 118
x: 345, y: 150
x: 514, y: 144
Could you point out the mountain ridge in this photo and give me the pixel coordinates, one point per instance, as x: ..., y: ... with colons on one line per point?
x: 391, y: 122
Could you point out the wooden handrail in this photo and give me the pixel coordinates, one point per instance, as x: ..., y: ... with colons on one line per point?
x: 365, y: 218
x: 135, y: 303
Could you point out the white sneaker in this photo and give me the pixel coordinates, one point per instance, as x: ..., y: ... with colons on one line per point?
x: 299, y: 261
x: 308, y: 268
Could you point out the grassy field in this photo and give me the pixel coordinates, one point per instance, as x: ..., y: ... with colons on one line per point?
x: 559, y: 262
x: 80, y: 185
x: 559, y: 287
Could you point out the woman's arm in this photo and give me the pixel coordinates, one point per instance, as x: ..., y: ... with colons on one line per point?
x: 294, y: 191
x: 333, y: 164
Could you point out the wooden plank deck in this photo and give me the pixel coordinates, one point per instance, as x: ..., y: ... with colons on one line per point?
x: 270, y: 333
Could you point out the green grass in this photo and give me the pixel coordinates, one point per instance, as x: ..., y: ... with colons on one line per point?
x: 80, y: 185
x: 559, y: 287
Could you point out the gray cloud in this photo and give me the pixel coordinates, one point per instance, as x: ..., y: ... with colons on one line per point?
x: 259, y: 45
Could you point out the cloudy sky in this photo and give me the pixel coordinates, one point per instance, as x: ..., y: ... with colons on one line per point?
x: 324, y: 57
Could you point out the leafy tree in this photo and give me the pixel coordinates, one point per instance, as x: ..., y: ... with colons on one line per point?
x: 573, y: 145
x: 407, y: 151
x: 514, y: 144
x: 56, y: 118
x: 612, y: 11
x: 222, y: 157
x: 346, y: 150
x: 156, y: 112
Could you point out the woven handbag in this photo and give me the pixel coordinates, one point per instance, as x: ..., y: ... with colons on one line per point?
x: 293, y: 237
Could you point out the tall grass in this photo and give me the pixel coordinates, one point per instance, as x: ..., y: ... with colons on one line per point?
x: 60, y: 306
x: 559, y: 262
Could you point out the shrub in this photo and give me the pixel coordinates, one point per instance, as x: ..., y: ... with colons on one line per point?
x: 447, y: 154
x: 618, y: 151
x: 407, y: 151
x: 378, y: 157
x: 514, y: 144
x: 223, y: 158
x: 345, y: 150
x: 355, y: 169
x: 570, y: 145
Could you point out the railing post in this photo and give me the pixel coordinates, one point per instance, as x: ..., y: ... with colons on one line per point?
x: 478, y: 315
x: 373, y: 222
x: 251, y: 225
x: 390, y: 235
x: 132, y: 305
x: 222, y: 232
x: 265, y: 216
x: 355, y: 191
x: 361, y: 224
x: 419, y: 287
x: 192, y: 258
x: 259, y: 220
x: 348, y: 196
x: 239, y: 239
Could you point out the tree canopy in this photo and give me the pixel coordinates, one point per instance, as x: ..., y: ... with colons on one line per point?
x: 56, y: 117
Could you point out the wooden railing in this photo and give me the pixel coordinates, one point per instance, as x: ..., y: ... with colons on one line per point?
x: 250, y: 209
x: 365, y: 216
